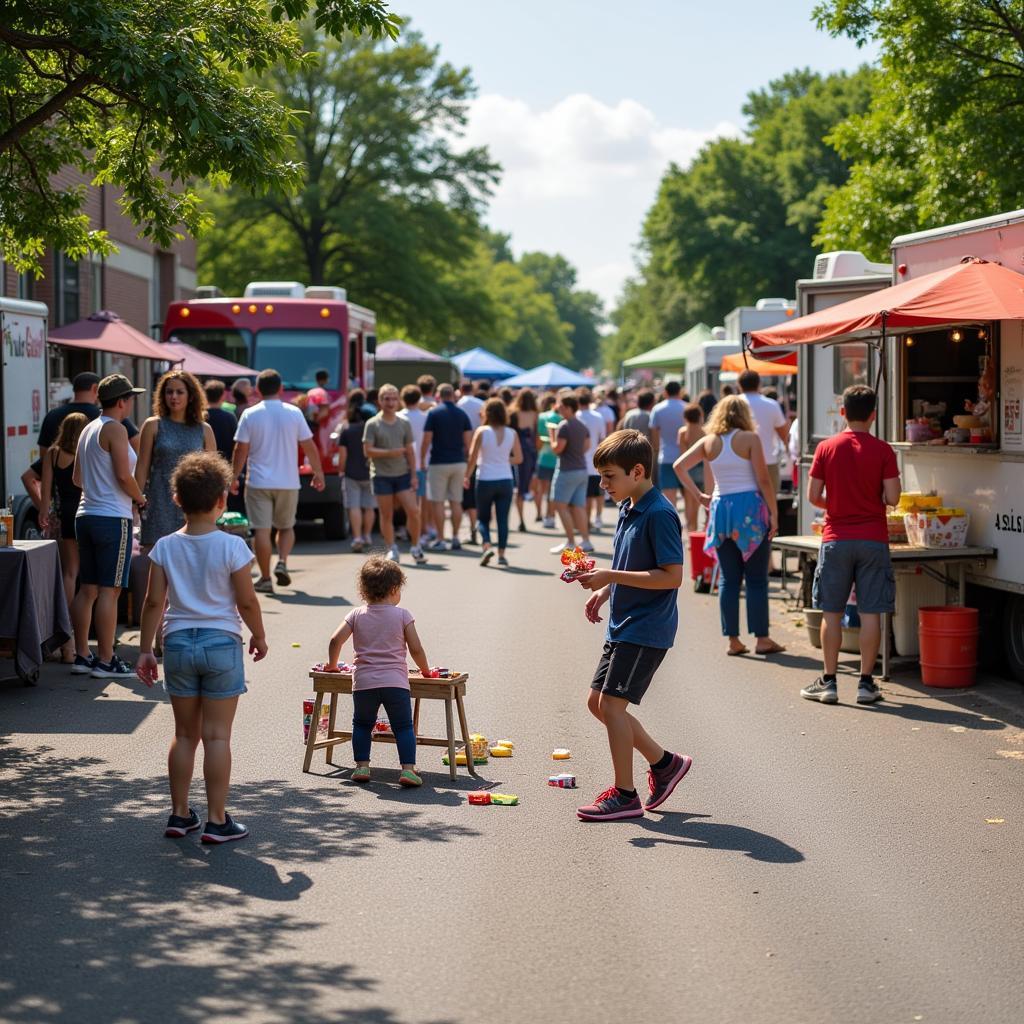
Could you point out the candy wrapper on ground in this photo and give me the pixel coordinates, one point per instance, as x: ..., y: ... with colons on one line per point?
x: 308, y: 707
x: 478, y: 798
x: 504, y: 799
x: 576, y: 564
x: 562, y: 781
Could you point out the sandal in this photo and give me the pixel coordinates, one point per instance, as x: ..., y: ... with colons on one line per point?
x: 409, y: 778
x: 736, y: 652
x: 773, y: 649
x: 361, y: 773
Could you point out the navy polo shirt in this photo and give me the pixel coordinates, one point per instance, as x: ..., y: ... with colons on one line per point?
x: 647, y: 535
x: 447, y: 422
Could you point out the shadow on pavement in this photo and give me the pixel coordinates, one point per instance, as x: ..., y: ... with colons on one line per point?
x: 108, y: 920
x: 684, y: 830
x: 929, y: 715
x: 301, y: 597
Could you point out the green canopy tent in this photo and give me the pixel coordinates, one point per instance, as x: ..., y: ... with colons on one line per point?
x: 673, y: 354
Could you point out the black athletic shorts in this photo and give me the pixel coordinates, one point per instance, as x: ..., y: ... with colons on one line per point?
x: 594, y: 486
x: 626, y: 670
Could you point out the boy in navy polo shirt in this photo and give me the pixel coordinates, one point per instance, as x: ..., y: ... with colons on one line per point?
x: 646, y: 572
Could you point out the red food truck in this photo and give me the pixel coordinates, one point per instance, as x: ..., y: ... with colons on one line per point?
x: 297, y: 331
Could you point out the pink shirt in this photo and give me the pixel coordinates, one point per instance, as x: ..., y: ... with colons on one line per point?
x: 378, y: 636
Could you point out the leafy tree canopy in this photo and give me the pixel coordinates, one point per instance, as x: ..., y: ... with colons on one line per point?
x: 943, y: 138
x: 147, y: 97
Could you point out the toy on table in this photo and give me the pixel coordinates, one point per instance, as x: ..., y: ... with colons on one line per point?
x: 562, y: 781
x: 308, y: 707
x: 560, y: 754
x: 504, y: 799
x: 441, y: 673
x: 382, y: 725
x: 576, y: 564
x: 478, y: 798
x: 322, y: 666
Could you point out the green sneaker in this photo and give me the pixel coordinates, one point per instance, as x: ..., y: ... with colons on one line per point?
x: 361, y: 774
x: 409, y: 778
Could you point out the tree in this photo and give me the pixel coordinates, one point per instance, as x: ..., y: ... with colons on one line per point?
x: 582, y: 310
x: 943, y: 139
x: 386, y: 201
x: 147, y: 98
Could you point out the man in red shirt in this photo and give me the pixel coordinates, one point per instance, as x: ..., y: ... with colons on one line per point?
x: 853, y: 477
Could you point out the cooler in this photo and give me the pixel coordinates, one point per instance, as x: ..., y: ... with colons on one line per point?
x: 701, y: 565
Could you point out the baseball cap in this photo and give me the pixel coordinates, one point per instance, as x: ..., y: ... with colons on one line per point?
x: 85, y: 381
x: 116, y: 386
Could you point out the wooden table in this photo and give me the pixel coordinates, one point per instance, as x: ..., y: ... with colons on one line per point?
x: 906, y: 554
x: 450, y: 690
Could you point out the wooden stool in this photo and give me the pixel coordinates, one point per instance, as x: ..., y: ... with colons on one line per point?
x: 450, y: 690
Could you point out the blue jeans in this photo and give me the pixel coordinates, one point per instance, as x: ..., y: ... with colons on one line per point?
x: 203, y: 663
x: 734, y: 569
x: 499, y: 494
x: 398, y: 705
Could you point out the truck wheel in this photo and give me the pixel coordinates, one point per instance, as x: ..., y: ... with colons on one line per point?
x: 334, y: 522
x: 1013, y: 636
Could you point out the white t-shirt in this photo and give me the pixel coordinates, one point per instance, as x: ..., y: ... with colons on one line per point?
x: 596, y: 427
x: 768, y: 415
x: 273, y: 430
x: 471, y: 406
x: 198, y: 571
x: 608, y: 415
x: 417, y: 420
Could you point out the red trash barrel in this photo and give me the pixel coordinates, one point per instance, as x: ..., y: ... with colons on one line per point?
x: 701, y: 565
x: 949, y: 645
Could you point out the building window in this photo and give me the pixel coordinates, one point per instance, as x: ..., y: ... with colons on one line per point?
x: 68, y: 289
x: 25, y: 286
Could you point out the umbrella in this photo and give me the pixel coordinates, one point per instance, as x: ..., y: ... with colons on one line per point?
x: 107, y: 332
x: 479, y: 364
x: 204, y: 364
x: 549, y: 375
x: 397, y: 349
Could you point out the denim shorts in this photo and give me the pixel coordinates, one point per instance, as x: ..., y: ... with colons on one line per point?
x: 569, y: 487
x: 842, y: 563
x: 667, y: 479
x: 392, y: 484
x: 421, y: 483
x: 104, y: 550
x: 203, y: 663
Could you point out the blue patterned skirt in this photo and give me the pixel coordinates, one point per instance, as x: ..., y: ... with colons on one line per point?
x: 742, y: 518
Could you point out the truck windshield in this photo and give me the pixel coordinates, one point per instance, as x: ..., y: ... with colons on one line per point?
x: 297, y: 354
x: 226, y: 342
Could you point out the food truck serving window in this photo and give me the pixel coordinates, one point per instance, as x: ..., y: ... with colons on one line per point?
x: 950, y: 383
x: 851, y: 366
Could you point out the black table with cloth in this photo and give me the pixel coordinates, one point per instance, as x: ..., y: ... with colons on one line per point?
x: 33, y: 609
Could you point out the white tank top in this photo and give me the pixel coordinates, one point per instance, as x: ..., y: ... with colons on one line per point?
x: 494, y: 455
x: 733, y: 473
x: 101, y: 493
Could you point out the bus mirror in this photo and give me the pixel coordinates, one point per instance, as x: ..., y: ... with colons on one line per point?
x: 371, y: 344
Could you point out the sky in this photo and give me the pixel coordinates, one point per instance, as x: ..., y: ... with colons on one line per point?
x: 585, y: 103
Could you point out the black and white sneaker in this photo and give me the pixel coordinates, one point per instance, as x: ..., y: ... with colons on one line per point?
x: 822, y: 691
x: 282, y: 575
x: 116, y: 669
x: 83, y: 666
x: 226, y: 833
x: 178, y: 827
x: 868, y: 691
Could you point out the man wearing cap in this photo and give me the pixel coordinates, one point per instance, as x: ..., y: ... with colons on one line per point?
x: 104, y: 469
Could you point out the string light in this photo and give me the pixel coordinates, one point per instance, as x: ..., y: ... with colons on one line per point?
x: 956, y: 335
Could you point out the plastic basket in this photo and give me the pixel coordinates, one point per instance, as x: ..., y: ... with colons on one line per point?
x: 933, y: 531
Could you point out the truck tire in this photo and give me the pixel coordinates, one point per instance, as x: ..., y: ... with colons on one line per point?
x: 334, y: 522
x: 1013, y: 636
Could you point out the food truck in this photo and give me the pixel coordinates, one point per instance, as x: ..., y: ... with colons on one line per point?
x: 704, y: 364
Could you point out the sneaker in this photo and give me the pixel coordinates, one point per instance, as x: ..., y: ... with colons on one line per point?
x: 487, y: 556
x: 559, y: 548
x: 456, y: 544
x: 597, y: 526
x: 409, y: 778
x: 502, y: 560
x: 393, y: 553
x: 264, y: 585
x: 437, y: 544
x: 417, y: 555
x: 661, y: 783
x: 821, y: 691
x: 611, y: 805
x: 357, y: 545
x: 549, y: 523
x: 226, y: 833
x: 585, y: 545
x: 116, y: 669
x: 282, y: 575
x: 177, y: 826
x: 83, y: 666
x: 361, y: 774
x: 868, y: 692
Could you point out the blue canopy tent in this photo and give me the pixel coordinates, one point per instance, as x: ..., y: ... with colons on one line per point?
x: 479, y: 364
x: 549, y: 375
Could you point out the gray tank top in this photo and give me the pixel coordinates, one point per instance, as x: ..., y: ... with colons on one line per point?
x: 173, y: 440
x: 101, y: 493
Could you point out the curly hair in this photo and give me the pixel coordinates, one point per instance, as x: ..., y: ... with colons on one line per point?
x: 199, y: 480
x: 379, y: 578
x: 729, y: 413
x: 196, y: 407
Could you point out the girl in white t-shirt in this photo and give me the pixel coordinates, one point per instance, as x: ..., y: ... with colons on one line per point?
x: 381, y: 633
x: 202, y: 574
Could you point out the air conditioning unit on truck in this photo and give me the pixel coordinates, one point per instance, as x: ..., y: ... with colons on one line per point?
x: 23, y: 384
x: 297, y: 331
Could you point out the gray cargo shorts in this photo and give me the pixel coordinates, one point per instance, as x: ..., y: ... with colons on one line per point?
x: 866, y: 563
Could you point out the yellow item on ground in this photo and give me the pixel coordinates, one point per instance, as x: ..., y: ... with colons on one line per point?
x: 500, y: 750
x: 560, y: 754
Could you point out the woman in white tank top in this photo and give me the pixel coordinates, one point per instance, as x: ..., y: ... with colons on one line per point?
x: 742, y: 518
x: 494, y: 450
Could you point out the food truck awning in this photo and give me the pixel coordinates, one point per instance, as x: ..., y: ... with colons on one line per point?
x: 783, y: 367
x: 107, y: 332
x: 973, y: 290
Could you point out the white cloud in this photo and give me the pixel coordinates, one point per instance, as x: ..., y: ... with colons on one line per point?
x: 579, y: 176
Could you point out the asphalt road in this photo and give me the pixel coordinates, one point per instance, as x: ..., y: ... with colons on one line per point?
x: 820, y: 864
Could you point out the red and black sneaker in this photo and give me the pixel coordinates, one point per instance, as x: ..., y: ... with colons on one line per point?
x: 611, y: 805
x: 662, y: 782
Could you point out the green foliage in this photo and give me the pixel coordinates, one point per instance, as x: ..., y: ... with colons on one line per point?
x: 386, y: 202
x: 943, y: 139
x: 148, y: 98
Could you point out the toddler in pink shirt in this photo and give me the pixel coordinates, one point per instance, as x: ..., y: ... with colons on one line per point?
x: 381, y: 633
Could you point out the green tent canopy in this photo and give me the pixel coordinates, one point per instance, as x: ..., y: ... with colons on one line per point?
x: 673, y: 354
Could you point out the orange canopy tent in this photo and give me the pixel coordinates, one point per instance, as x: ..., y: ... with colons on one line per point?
x: 972, y: 291
x: 739, y: 361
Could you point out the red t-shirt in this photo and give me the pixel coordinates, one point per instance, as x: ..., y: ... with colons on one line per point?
x: 853, y: 465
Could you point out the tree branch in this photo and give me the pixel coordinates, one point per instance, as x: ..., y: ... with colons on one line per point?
x: 40, y: 116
